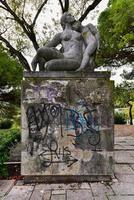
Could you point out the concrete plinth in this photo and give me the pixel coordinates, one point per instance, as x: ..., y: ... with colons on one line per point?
x: 67, y: 125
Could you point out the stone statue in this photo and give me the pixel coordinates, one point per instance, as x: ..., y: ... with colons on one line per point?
x: 79, y: 45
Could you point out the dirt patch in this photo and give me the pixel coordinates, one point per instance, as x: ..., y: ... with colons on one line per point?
x: 124, y: 130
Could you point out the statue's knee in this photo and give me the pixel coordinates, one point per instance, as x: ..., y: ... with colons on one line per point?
x: 42, y: 51
x: 49, y: 65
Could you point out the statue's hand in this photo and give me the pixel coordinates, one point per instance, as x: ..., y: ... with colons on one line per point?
x: 80, y: 69
x: 84, y: 63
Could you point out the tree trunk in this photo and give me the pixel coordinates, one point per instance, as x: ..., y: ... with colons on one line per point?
x: 130, y: 113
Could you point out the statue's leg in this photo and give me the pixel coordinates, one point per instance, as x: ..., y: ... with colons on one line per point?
x: 34, y: 63
x: 45, y: 54
x: 62, y: 65
x: 41, y: 62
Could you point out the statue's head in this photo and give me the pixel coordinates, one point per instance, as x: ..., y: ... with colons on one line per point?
x: 67, y: 18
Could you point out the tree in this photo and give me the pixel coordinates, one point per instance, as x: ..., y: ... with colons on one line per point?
x: 20, y: 30
x: 124, y: 96
x: 10, y: 80
x: 10, y: 70
x: 116, y: 27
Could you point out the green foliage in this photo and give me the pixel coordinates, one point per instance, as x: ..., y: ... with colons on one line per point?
x: 126, y: 111
x: 10, y: 70
x: 6, y: 123
x: 124, y: 97
x: 7, y: 110
x: 4, y: 106
x: 17, y: 118
x: 116, y: 26
x: 8, y: 138
x: 10, y: 81
x: 123, y: 93
x: 119, y: 118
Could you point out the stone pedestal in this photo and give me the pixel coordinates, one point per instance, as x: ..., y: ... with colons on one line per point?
x: 67, y: 126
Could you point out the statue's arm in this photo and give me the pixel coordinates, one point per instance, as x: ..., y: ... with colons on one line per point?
x: 91, y: 42
x: 55, y: 41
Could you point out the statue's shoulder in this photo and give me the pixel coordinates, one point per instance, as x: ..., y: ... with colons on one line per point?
x: 57, y: 37
x: 92, y: 28
x: 95, y: 32
x: 58, y: 34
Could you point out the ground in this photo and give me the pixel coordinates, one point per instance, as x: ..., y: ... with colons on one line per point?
x: 120, y: 188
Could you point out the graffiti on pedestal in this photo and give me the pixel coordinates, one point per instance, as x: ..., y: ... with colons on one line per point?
x: 53, y: 154
x: 49, y: 121
x: 67, y: 126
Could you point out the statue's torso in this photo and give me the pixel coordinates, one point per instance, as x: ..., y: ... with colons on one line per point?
x: 72, y: 43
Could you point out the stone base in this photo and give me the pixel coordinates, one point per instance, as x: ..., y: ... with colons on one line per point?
x: 66, y: 75
x: 67, y: 126
x: 66, y: 179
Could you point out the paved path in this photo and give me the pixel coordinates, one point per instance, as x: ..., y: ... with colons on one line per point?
x: 120, y: 188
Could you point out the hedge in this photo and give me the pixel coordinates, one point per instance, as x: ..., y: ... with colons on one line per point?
x: 119, y: 118
x: 8, y: 138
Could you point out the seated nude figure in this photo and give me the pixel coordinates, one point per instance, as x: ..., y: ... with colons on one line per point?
x: 79, y: 44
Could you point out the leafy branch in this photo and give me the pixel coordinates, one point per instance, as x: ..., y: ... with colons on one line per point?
x: 65, y: 6
x: 27, y: 28
x: 90, y: 7
x: 38, y: 12
x: 13, y: 51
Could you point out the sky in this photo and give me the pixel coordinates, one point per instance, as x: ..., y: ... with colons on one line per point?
x: 92, y: 17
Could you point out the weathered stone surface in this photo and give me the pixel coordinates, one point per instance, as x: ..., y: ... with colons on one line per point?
x: 20, y: 193
x: 40, y: 193
x: 129, y: 178
x: 123, y: 169
x: 48, y: 187
x: 58, y: 197
x: 67, y: 126
x: 114, y: 190
x: 122, y: 188
x: 5, y: 186
x: 101, y: 197
x: 120, y: 197
x: 65, y: 75
x: 125, y: 143
x: 120, y: 157
x: 79, y: 194
x: 85, y: 186
x: 66, y: 178
x: 132, y: 166
x: 58, y: 192
x: 100, y: 189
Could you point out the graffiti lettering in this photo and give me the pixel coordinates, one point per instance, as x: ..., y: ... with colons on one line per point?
x: 83, y: 119
x: 51, y: 155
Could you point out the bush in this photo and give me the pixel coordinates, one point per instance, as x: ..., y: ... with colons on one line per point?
x: 8, y: 138
x: 119, y: 118
x: 5, y: 124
